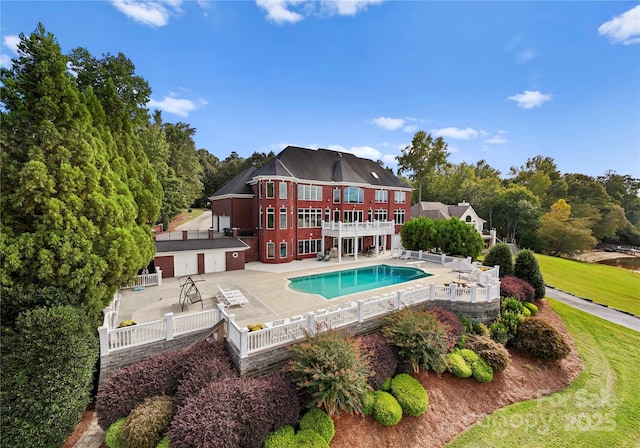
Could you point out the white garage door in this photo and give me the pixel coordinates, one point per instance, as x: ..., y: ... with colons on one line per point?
x: 215, y: 262
x: 225, y: 222
x: 185, y: 264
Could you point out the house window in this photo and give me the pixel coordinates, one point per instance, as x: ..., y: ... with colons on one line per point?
x: 327, y: 215
x: 309, y: 193
x: 468, y: 219
x: 261, y: 217
x: 270, y: 191
x: 271, y: 218
x: 283, y: 218
x: 283, y: 250
x: 380, y: 215
x: 309, y: 217
x: 353, y: 195
x: 309, y: 246
x: 382, y: 195
x: 283, y: 190
x: 271, y: 250
x: 336, y: 196
x: 400, y: 197
x: 260, y: 190
x: 353, y: 216
x: 398, y: 216
x: 336, y: 215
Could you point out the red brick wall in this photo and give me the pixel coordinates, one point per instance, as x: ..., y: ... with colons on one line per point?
x: 235, y: 263
x: 251, y: 254
x: 166, y: 264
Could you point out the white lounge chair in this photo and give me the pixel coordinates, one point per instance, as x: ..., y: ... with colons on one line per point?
x: 231, y: 297
x: 405, y: 255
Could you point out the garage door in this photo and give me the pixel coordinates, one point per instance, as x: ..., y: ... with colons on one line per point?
x: 215, y: 262
x: 225, y: 222
x: 185, y: 264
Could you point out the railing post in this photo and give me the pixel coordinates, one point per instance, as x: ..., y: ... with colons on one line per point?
x: 159, y: 272
x: 168, y: 321
x: 497, y: 273
x: 432, y: 291
x: 399, y: 299
x: 489, y: 293
x: 453, y: 292
x: 311, y: 323
x: 473, y: 293
x: 360, y: 310
x: 420, y: 254
x: 244, y: 335
x: 443, y: 258
x: 103, y: 331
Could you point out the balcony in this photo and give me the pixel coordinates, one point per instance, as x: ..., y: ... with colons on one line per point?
x: 353, y: 229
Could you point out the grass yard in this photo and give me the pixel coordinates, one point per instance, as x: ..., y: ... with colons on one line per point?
x: 615, y: 287
x: 601, y: 408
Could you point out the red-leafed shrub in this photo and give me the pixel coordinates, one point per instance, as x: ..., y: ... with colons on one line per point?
x: 235, y: 412
x: 539, y: 339
x: 383, y: 358
x: 452, y: 321
x: 129, y: 386
x: 517, y: 288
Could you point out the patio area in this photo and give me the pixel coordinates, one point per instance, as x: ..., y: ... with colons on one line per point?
x: 266, y: 287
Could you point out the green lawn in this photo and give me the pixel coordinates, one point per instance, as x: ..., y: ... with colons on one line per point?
x: 601, y: 408
x: 616, y: 287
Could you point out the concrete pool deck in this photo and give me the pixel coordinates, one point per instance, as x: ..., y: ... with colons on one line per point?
x: 266, y: 287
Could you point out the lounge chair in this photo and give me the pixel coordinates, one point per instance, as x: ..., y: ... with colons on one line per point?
x: 231, y: 297
x: 405, y: 255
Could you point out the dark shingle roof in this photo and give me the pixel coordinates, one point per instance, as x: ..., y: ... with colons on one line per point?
x: 237, y: 185
x: 182, y: 245
x: 328, y: 166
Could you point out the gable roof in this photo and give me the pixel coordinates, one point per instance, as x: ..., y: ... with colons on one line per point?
x: 438, y: 210
x: 237, y: 186
x: 325, y: 165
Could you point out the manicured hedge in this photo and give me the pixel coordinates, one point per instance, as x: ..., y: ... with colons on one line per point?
x: 383, y: 358
x: 531, y: 307
x: 411, y: 395
x: 527, y: 268
x: 310, y: 439
x: 493, y: 353
x: 458, y: 366
x: 539, y: 339
x: 386, y: 409
x: 517, y: 288
x: 113, y: 436
x: 480, y: 370
x: 283, y: 437
x: 319, y: 421
x: 367, y: 403
x: 148, y: 423
x: 501, y: 255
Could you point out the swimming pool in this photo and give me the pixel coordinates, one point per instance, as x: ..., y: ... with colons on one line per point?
x: 350, y: 281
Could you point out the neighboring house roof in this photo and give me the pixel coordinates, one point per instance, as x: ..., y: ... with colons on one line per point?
x: 238, y: 185
x: 321, y: 165
x: 438, y: 210
x: 183, y: 245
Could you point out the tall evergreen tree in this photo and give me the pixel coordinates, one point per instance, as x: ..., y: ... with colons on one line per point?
x: 69, y: 218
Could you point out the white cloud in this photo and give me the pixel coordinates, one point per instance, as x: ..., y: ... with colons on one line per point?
x: 411, y: 128
x: 530, y: 99
x: 497, y: 140
x: 366, y: 152
x: 151, y: 13
x: 292, y: 11
x: 502, y: 132
x: 389, y: 159
x: 278, y: 12
x: 176, y: 106
x: 461, y: 134
x: 624, y: 28
x: 11, y: 42
x: 5, y: 61
x: 527, y: 55
x: 390, y: 124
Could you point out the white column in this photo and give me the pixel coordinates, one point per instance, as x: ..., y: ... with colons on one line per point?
x: 168, y: 319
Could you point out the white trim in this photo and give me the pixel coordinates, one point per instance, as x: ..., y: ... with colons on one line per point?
x: 231, y: 196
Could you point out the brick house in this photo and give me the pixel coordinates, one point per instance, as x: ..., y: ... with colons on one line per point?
x: 304, y: 202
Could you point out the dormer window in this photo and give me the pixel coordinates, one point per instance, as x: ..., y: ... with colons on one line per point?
x: 374, y: 174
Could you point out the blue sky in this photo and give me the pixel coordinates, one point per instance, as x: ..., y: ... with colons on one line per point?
x: 500, y: 81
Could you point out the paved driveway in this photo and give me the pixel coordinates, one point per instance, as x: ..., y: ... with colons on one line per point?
x: 202, y: 222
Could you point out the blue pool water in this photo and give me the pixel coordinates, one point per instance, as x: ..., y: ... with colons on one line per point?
x: 341, y: 283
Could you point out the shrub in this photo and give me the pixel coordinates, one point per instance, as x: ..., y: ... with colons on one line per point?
x: 528, y: 269
x: 531, y: 307
x: 333, y: 369
x: 310, y: 439
x: 255, y: 327
x: 511, y: 321
x: 500, y: 254
x: 468, y: 355
x: 499, y: 332
x: 453, y: 323
x: 383, y: 360
x: 283, y: 437
x: 480, y: 370
x: 164, y: 443
x: 386, y: 409
x: 539, y: 339
x: 113, y: 437
x: 479, y: 328
x: 526, y: 312
x: 20, y: 298
x: 516, y: 287
x: 410, y: 394
x: 458, y: 366
x: 493, y: 353
x: 386, y: 385
x: 420, y: 338
x: 511, y: 304
x: 232, y: 412
x: 126, y: 323
x: 367, y: 403
x: 319, y: 421
x: 148, y: 422
x: 47, y: 362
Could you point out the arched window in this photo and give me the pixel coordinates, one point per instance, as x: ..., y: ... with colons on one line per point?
x: 353, y: 195
x: 468, y: 218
